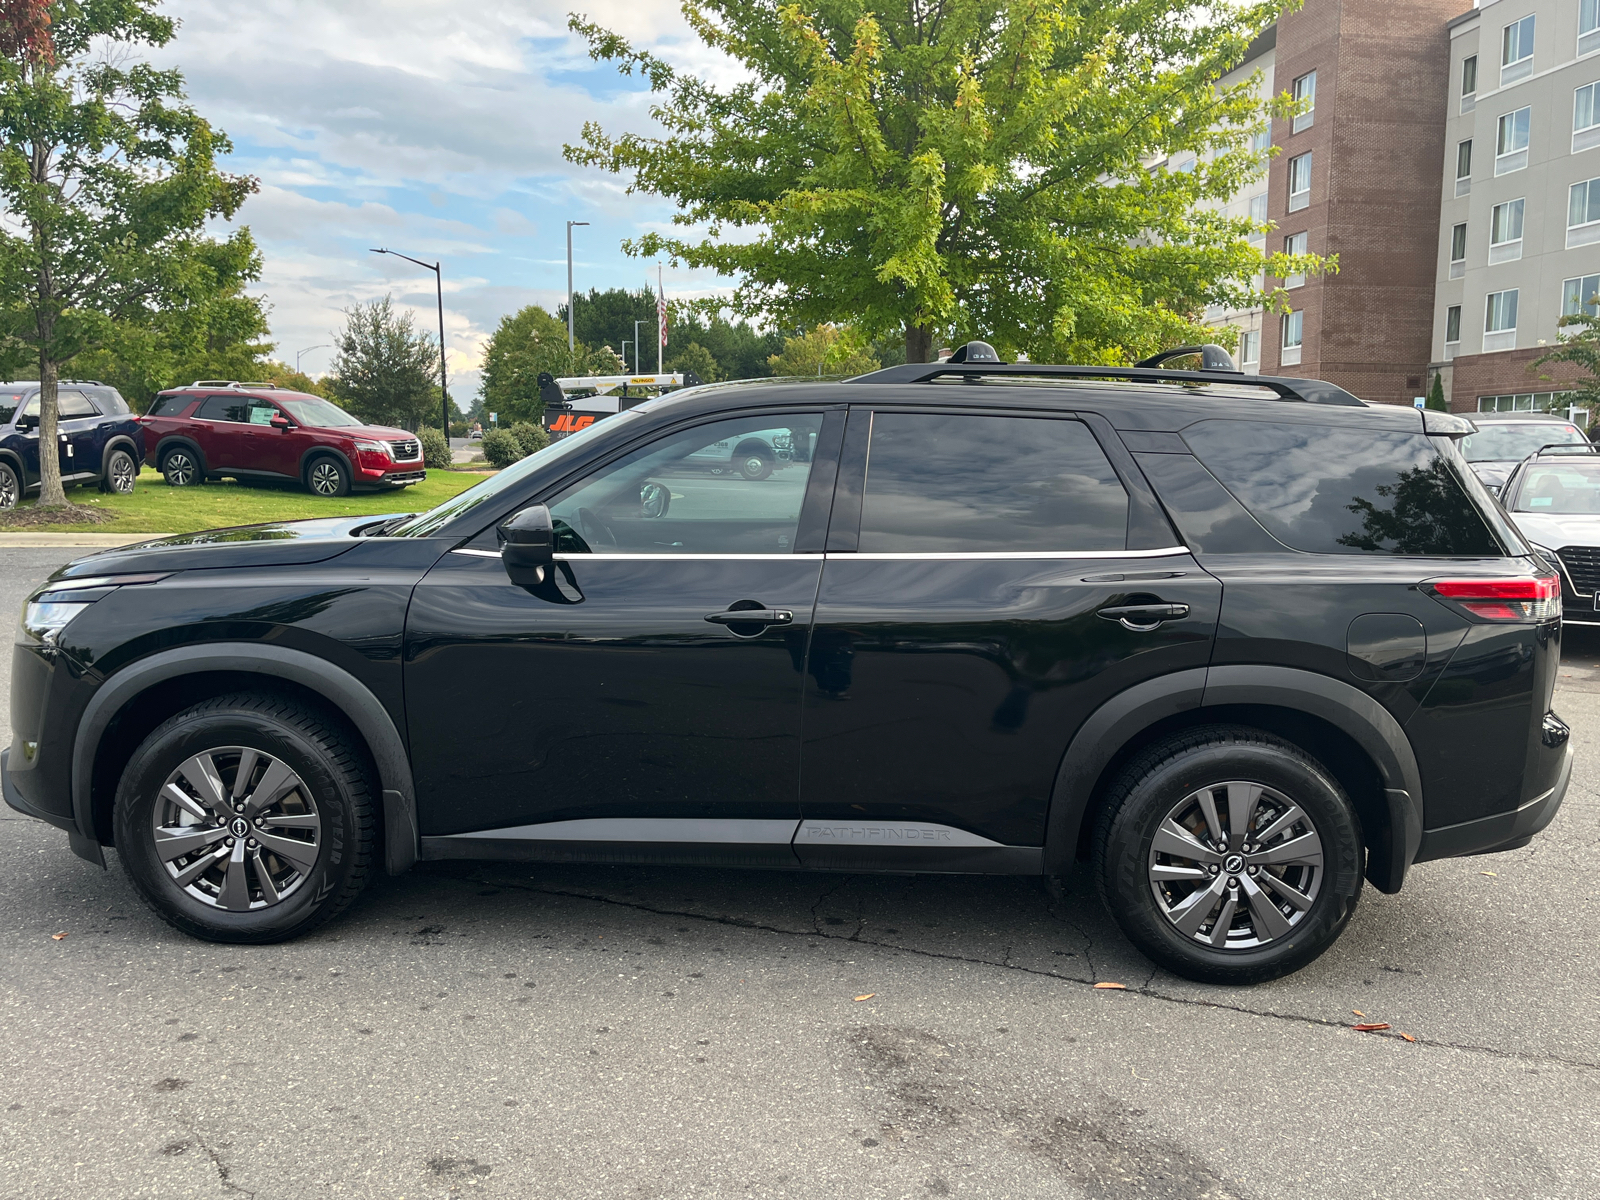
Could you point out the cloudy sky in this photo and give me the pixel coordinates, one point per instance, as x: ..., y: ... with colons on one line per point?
x: 431, y: 127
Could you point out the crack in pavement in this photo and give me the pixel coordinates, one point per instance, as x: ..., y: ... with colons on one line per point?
x: 1146, y: 991
x: 224, y: 1172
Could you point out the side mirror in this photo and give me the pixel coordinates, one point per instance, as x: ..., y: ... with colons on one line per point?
x: 279, y: 421
x: 27, y: 424
x: 529, y: 545
x: 654, y: 500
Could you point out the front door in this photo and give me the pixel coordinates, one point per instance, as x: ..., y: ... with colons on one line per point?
x: 221, y: 430
x: 625, y: 707
x: 78, y: 433
x: 979, y: 601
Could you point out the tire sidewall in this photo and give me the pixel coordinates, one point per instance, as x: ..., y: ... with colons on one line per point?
x: 344, y: 477
x: 107, y: 484
x: 166, y: 467
x: 191, y: 734
x: 1125, y: 868
x: 6, y: 470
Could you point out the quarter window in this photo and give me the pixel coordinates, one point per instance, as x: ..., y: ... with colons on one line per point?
x: 1516, y: 51
x: 730, y: 487
x: 959, y: 484
x: 1511, y: 141
x: 1305, y: 90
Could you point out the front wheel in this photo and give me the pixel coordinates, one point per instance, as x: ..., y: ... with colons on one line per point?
x: 246, y: 818
x: 119, y: 474
x: 754, y: 465
x: 1229, y: 856
x: 328, y: 477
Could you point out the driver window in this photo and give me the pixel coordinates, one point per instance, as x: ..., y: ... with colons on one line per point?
x: 731, y: 487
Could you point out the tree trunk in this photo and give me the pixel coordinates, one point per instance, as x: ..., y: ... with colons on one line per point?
x: 51, y: 493
x: 919, y: 344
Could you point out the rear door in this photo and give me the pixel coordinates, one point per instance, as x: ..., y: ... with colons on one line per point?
x: 991, y: 579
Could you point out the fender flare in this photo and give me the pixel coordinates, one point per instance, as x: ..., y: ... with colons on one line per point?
x: 188, y: 443
x: 334, y: 684
x: 1348, y: 709
x: 317, y: 452
x: 119, y: 441
x: 14, y: 460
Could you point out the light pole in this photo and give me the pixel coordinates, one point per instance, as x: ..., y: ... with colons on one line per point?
x: 570, y: 224
x: 307, y: 350
x: 638, y: 359
x: 444, y: 383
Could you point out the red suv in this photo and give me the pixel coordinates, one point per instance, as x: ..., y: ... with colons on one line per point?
x: 211, y: 430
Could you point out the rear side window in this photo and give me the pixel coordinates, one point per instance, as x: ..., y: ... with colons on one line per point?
x: 72, y: 406
x: 111, y: 403
x: 223, y: 408
x: 1330, y: 490
x: 170, y: 406
x: 939, y: 483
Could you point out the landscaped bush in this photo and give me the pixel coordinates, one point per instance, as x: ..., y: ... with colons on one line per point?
x: 500, y: 448
x: 435, y: 450
x: 532, y: 438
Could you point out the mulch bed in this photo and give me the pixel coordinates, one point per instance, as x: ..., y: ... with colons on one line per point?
x: 31, y: 516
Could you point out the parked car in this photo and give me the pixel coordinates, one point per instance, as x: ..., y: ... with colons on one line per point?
x: 1554, y: 498
x: 1503, y: 440
x: 218, y: 429
x: 1230, y: 643
x: 475, y: 436
x: 100, y: 440
x: 754, y: 455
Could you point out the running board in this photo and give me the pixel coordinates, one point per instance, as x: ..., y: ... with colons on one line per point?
x: 822, y: 845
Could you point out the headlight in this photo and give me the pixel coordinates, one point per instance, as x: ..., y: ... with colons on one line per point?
x: 1548, y: 554
x: 42, y: 620
x: 49, y: 610
x: 373, y: 447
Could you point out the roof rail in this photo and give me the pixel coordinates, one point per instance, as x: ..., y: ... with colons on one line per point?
x: 234, y: 384
x: 1310, y: 391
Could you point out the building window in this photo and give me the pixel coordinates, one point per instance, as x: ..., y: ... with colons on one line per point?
x: 1261, y: 140
x: 1500, y: 321
x: 1583, y: 213
x: 1505, y: 232
x: 1458, y: 251
x: 1463, y: 167
x: 1452, y: 331
x: 1250, y: 348
x: 1588, y: 26
x: 1525, y: 402
x: 1469, y: 81
x: 1516, y: 50
x: 1511, y: 141
x: 1305, y: 89
x: 1581, y: 297
x: 1586, y: 116
x: 1295, y: 243
x: 1293, y: 326
x: 1299, y: 182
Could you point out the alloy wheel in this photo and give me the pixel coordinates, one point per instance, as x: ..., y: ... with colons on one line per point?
x: 325, y: 478
x: 1236, y: 865
x: 179, y: 469
x: 236, y: 829
x: 8, y: 489
x: 122, y: 473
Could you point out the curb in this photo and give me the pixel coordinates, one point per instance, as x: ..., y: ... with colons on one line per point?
x: 100, y: 541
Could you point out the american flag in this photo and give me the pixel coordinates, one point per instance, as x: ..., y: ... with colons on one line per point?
x: 661, y: 310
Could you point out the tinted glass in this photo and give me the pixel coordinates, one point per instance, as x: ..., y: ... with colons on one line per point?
x: 1563, y: 488
x: 731, y: 487
x: 221, y: 408
x: 1334, y: 490
x: 1498, y: 441
x: 979, y: 483
x: 169, y: 406
x: 111, y: 402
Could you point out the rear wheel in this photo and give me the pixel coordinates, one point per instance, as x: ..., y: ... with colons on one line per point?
x: 247, y: 818
x: 753, y: 464
x: 10, y: 487
x: 119, y: 474
x: 180, y: 467
x: 1229, y: 856
x: 326, y: 476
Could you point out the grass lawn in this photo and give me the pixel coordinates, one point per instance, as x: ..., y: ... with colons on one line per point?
x: 155, y: 507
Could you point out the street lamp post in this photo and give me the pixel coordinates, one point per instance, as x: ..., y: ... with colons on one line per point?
x: 444, y: 383
x: 570, y: 224
x: 307, y: 350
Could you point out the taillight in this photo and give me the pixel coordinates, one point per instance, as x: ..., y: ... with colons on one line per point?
x: 1537, y: 599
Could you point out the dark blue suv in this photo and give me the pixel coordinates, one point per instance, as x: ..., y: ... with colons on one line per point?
x: 99, y: 440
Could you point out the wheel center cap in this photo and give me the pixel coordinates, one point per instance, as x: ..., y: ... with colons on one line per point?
x: 1233, y: 864
x: 239, y: 827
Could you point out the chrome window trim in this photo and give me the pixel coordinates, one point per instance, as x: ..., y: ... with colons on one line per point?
x: 878, y: 556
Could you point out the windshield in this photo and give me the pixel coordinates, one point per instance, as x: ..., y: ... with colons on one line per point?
x: 1516, y: 439
x: 430, y: 522
x: 319, y: 413
x: 1560, y: 488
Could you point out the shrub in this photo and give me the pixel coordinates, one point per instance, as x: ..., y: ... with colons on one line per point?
x: 532, y: 438
x: 435, y: 450
x: 501, y: 449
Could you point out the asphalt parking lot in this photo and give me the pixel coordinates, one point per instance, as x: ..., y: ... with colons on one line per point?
x: 556, y: 1032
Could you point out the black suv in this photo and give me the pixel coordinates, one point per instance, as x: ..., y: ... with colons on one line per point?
x: 1233, y: 643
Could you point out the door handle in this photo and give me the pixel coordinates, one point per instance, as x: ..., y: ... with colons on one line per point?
x: 1142, y: 618
x: 752, y: 616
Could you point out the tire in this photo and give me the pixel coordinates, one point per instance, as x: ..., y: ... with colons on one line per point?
x: 327, y: 476
x: 10, y: 487
x: 753, y: 464
x: 299, y: 850
x: 1146, y: 883
x: 181, y: 467
x: 120, y: 473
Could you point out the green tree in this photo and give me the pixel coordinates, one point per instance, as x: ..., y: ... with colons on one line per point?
x: 825, y: 350
x: 1436, y: 399
x: 383, y: 367
x: 697, y: 360
x: 524, y: 344
x: 108, y: 180
x: 1579, y: 347
x: 1040, y: 174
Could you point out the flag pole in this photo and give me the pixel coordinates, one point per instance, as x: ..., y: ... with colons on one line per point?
x: 661, y: 322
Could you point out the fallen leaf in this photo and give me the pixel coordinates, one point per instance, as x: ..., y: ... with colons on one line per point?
x: 1490, y: 874
x: 1408, y: 1037
x: 1120, y: 987
x: 1358, y: 1012
x: 56, y: 937
x: 868, y: 996
x: 1370, y: 1026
